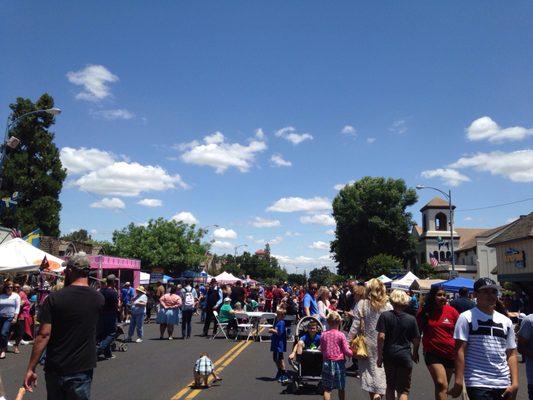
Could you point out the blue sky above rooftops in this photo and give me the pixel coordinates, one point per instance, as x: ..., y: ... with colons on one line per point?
x: 250, y: 115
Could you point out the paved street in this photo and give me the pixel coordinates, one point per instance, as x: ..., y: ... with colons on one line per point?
x: 161, y: 370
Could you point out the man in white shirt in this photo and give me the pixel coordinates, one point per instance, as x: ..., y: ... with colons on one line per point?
x: 486, y: 357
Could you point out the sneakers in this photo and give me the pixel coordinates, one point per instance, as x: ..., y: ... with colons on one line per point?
x: 139, y: 340
x: 170, y: 338
x: 283, y: 379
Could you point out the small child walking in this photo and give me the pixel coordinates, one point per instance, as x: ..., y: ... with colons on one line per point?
x: 202, y: 369
x: 334, y: 348
x: 278, y: 345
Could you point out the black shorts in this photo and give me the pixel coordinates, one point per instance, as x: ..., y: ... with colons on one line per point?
x: 277, y: 356
x: 432, y: 358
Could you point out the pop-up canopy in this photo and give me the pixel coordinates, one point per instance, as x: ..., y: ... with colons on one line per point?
x: 18, y: 255
x: 404, y: 282
x: 453, y: 285
x: 226, y: 277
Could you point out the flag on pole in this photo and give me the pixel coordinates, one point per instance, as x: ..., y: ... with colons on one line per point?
x: 433, y: 260
x: 44, y: 264
x: 33, y: 238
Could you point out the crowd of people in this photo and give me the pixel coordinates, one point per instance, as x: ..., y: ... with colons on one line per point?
x: 468, y: 343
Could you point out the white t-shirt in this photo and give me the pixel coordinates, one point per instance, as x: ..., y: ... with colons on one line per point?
x: 488, y: 338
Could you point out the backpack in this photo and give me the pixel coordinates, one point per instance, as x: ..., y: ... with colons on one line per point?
x: 189, y: 299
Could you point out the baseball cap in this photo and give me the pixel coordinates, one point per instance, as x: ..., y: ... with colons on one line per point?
x: 78, y: 261
x: 485, y: 283
x: 110, y: 277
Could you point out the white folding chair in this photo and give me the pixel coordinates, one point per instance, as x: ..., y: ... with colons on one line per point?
x: 245, y: 327
x: 289, y: 329
x: 268, y: 323
x: 221, y: 327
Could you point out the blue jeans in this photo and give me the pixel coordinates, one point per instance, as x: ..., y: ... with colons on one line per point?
x: 484, y: 393
x: 69, y: 387
x: 109, y: 321
x: 136, y: 323
x: 5, y: 326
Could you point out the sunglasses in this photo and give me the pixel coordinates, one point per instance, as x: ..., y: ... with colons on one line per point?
x: 9, y: 287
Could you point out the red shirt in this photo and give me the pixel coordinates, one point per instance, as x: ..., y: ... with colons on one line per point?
x: 438, y: 332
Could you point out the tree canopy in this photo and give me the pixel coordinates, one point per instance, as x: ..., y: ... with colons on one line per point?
x: 383, y: 264
x: 80, y: 235
x: 371, y: 218
x: 325, y: 277
x: 33, y: 169
x: 174, y: 246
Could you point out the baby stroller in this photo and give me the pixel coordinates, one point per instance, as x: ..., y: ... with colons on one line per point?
x: 308, y: 366
x: 120, y: 339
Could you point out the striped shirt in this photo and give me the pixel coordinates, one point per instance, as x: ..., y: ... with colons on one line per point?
x: 204, y: 366
x: 488, y: 338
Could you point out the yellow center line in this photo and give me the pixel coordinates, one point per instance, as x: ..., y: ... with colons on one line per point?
x: 228, y: 361
x: 217, y: 363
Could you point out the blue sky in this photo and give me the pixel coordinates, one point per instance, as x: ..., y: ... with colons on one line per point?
x: 248, y: 114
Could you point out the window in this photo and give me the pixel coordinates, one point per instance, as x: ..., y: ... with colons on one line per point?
x: 436, y: 254
x: 448, y: 256
x: 441, y: 222
x: 442, y: 256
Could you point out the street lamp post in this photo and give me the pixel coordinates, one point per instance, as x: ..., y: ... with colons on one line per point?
x: 449, y: 197
x: 12, y: 141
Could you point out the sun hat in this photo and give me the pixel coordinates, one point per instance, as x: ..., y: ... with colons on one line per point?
x: 141, y: 289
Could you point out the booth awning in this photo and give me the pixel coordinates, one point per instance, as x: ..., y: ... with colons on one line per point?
x: 226, y: 277
x: 18, y: 255
x: 424, y: 285
x: 404, y: 282
x: 455, y: 284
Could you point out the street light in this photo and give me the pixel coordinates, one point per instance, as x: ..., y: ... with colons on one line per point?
x: 449, y: 197
x: 13, y: 142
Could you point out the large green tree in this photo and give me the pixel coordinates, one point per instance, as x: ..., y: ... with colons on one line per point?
x: 174, y: 246
x: 33, y: 170
x: 80, y: 235
x: 371, y: 219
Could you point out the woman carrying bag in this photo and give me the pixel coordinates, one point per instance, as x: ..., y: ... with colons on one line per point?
x: 363, y: 335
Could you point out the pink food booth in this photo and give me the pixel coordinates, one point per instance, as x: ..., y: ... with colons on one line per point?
x: 125, y: 269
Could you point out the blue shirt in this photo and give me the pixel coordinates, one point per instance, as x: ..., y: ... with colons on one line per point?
x: 127, y: 294
x: 278, y: 341
x: 310, y: 301
x: 311, y: 343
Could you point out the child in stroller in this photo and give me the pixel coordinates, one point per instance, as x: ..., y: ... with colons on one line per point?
x: 306, y: 358
x: 120, y: 339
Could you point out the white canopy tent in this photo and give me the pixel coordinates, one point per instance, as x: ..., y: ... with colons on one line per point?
x: 383, y: 278
x: 145, y: 278
x: 404, y: 282
x: 226, y: 277
x: 18, y: 255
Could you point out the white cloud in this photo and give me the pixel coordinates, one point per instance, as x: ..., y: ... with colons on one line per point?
x: 292, y: 234
x: 289, y: 133
x: 185, y: 217
x: 259, y: 134
x: 222, y: 233
x: 485, y: 128
x: 370, y: 140
x: 295, y: 204
x: 304, y: 261
x: 399, y: 126
x: 220, y: 244
x: 278, y: 161
x: 150, y: 202
x: 265, y: 223
x: 95, y: 80
x: 469, y: 219
x: 94, y: 231
x: 276, y: 240
x: 119, y: 113
x: 128, y: 179
x: 319, y: 245
x: 349, y: 130
x: 110, y: 203
x: 82, y: 159
x: 340, y: 186
x: 217, y: 153
x: 330, y: 232
x: 448, y: 176
x: 318, y: 219
x: 516, y: 166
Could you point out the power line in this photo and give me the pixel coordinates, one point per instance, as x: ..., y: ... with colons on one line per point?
x: 495, y: 205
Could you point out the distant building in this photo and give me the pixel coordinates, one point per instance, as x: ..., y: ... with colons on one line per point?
x: 473, y: 258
